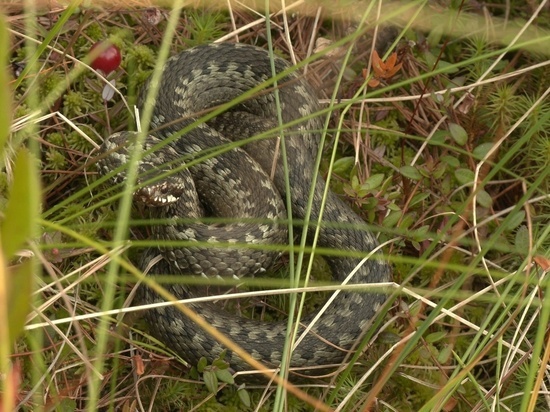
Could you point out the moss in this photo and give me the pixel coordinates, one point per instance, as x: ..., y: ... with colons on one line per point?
x: 143, y: 57
x: 205, y: 26
x: 77, y: 142
x: 56, y: 138
x: 95, y: 31
x: 55, y: 160
x: 48, y: 82
x: 21, y: 110
x: 75, y: 104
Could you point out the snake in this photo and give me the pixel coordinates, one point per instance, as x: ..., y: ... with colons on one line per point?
x: 233, y: 164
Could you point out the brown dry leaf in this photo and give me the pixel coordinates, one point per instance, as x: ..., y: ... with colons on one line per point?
x: 138, y: 362
x: 543, y: 262
x: 383, y: 70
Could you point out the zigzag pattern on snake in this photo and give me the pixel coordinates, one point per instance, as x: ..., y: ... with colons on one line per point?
x: 237, y: 184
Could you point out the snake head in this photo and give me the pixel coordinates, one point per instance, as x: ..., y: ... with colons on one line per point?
x: 159, y: 180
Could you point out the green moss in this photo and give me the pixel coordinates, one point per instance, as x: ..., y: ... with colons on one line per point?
x: 48, y: 82
x: 145, y: 56
x: 75, y: 104
x: 55, y: 160
x: 95, y: 31
x: 122, y: 35
x: 56, y: 138
x: 77, y: 142
x: 205, y: 26
x: 21, y: 110
x: 501, y: 105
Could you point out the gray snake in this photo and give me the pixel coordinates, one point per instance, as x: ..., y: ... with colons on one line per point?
x: 237, y: 184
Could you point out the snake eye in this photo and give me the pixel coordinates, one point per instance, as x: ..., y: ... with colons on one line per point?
x: 161, y: 194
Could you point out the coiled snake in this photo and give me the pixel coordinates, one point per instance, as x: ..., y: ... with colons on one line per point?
x: 236, y: 183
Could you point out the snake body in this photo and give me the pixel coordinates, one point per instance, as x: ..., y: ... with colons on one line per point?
x: 237, y: 183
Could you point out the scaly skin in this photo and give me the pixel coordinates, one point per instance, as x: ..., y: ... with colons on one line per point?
x: 237, y: 184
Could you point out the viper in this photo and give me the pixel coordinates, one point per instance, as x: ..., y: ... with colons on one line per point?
x: 192, y: 168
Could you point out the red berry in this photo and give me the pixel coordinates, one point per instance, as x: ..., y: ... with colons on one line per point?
x: 108, y: 60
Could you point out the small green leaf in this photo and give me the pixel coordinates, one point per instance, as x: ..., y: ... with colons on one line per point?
x: 410, y: 172
x: 211, y: 381
x: 484, y: 199
x: 23, y: 204
x: 458, y: 134
x: 194, y: 373
x: 457, y: 81
x: 220, y: 363
x: 389, y: 337
x: 481, y: 151
x: 464, y: 176
x: 225, y: 376
x: 425, y: 172
x: 451, y: 161
x: 394, y: 207
x: 392, y: 219
x: 522, y: 240
x: 370, y: 203
x: 439, y: 171
x: 373, y: 182
x: 450, y: 67
x: 244, y: 396
x: 515, y: 220
x: 439, y: 137
x: 66, y: 405
x: 408, y: 220
x: 418, y: 198
x: 414, y: 309
x: 435, y: 336
x: 431, y: 60
x: 355, y: 183
x: 422, y: 233
x: 445, y: 354
x: 434, y: 36
x: 201, y: 364
x: 426, y: 353
x: 343, y: 165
